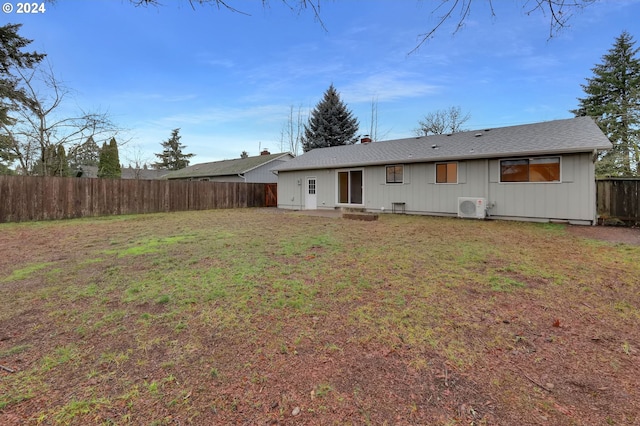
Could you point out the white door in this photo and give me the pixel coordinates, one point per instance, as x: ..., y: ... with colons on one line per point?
x: 310, y: 198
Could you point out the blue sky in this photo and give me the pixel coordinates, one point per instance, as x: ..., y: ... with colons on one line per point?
x: 228, y: 80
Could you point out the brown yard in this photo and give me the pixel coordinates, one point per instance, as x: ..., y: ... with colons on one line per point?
x: 260, y: 317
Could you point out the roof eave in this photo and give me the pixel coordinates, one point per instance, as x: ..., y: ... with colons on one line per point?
x: 558, y: 151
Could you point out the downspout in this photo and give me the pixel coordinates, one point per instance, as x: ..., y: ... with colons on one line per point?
x: 487, y: 188
x: 594, y: 188
x: 241, y: 176
x: 302, y: 187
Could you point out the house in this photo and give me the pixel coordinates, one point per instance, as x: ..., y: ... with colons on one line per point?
x: 534, y: 172
x: 255, y: 169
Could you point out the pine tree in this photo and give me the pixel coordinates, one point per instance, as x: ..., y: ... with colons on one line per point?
x: 12, y: 57
x: 109, y: 164
x: 61, y: 165
x: 6, y: 156
x: 172, y: 157
x: 86, y: 154
x: 330, y: 123
x: 613, y: 100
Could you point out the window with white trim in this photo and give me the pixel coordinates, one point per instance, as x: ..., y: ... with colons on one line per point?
x: 447, y: 172
x: 537, y: 169
x: 395, y: 174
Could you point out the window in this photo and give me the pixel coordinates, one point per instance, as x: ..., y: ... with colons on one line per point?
x: 395, y: 174
x: 447, y: 173
x: 350, y: 187
x: 541, y: 169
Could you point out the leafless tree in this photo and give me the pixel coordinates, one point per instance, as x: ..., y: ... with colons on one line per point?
x: 137, y: 160
x: 38, y: 127
x: 292, y: 130
x: 374, y: 132
x: 442, y: 121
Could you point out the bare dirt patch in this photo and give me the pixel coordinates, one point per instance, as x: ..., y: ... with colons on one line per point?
x: 612, y: 234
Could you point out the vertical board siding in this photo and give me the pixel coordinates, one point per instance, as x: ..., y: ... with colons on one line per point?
x: 29, y: 198
x: 619, y: 199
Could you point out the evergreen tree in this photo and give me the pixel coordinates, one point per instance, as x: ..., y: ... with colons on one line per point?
x: 86, y: 154
x: 61, y: 163
x: 330, y: 123
x: 109, y: 163
x: 613, y: 100
x: 12, y: 59
x: 172, y: 156
x: 6, y: 156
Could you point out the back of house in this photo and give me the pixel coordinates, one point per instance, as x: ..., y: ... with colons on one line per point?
x: 536, y: 172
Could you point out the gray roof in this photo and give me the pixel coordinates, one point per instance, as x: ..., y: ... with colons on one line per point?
x: 579, y: 134
x: 127, y: 173
x: 225, y: 167
x: 143, y: 174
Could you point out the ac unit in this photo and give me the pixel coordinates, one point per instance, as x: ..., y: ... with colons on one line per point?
x: 472, y: 207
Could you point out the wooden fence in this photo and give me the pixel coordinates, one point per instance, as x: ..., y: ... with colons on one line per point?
x: 619, y: 199
x: 28, y: 198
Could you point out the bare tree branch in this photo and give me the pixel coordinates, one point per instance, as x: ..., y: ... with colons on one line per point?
x: 38, y: 129
x: 442, y: 121
x: 560, y: 12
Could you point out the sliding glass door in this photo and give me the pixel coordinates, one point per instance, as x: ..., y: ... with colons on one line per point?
x: 350, y: 187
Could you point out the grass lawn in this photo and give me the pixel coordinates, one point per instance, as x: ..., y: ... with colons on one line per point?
x: 258, y: 317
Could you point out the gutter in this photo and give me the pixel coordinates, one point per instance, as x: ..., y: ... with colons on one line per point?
x: 446, y: 158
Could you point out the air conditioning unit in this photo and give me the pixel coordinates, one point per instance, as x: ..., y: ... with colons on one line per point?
x: 472, y: 207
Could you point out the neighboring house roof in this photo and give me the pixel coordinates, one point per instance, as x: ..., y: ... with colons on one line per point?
x: 579, y: 134
x: 237, y: 166
x: 143, y: 174
x: 127, y: 173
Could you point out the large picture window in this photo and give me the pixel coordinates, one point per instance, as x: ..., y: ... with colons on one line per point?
x: 350, y: 187
x: 540, y: 169
x: 395, y: 174
x: 447, y: 173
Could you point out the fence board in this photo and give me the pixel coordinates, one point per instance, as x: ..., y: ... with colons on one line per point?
x: 619, y: 199
x: 27, y: 198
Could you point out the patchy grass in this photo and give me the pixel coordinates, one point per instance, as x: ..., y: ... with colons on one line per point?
x: 252, y: 316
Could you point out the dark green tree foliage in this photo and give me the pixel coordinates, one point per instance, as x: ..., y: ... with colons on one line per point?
x: 172, y: 156
x: 6, y: 156
x: 109, y: 163
x: 86, y: 154
x: 613, y: 100
x: 330, y: 123
x: 61, y: 165
x: 12, y: 57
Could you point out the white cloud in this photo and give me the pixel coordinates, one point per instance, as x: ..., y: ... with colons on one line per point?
x: 388, y: 86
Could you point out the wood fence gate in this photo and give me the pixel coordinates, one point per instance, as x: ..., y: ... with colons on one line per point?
x: 271, y: 195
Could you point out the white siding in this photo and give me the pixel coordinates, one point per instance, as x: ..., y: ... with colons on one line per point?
x: 291, y: 187
x: 571, y: 199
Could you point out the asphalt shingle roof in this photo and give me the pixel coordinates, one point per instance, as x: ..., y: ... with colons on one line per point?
x: 579, y: 134
x: 224, y: 167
